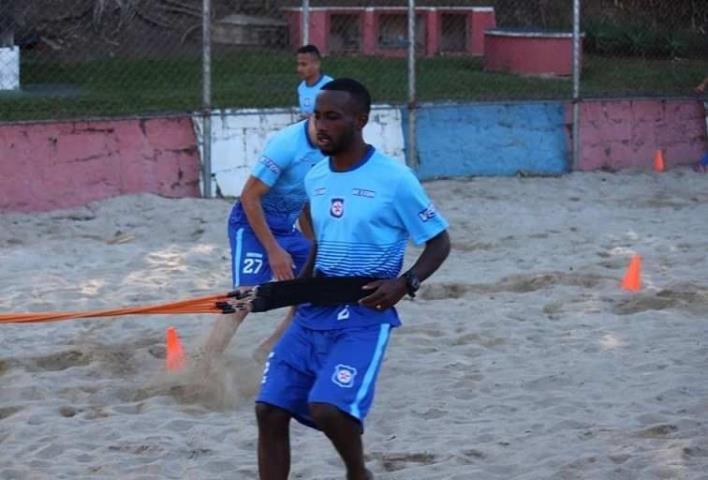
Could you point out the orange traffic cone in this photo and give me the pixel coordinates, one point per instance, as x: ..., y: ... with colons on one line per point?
x: 632, y: 278
x: 174, y: 359
x: 659, y: 165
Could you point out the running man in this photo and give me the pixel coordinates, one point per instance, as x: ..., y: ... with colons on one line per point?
x: 265, y: 244
x: 364, y: 207
x: 308, y: 69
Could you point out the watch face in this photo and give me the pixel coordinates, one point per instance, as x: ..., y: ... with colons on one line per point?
x: 413, y: 282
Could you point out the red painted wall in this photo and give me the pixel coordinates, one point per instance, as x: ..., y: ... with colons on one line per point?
x: 619, y: 134
x: 47, y: 166
x: 478, y: 20
x: 533, y: 55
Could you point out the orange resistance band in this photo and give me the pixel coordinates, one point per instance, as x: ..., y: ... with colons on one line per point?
x: 220, y: 303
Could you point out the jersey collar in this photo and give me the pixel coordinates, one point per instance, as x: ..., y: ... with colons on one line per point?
x: 369, y: 152
x: 307, y: 134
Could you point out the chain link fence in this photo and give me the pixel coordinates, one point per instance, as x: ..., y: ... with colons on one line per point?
x: 96, y: 58
x: 477, y: 49
x: 643, y: 48
x: 253, y: 59
x: 263, y: 74
x: 99, y: 57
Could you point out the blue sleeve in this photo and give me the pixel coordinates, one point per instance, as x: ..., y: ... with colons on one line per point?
x: 416, y: 210
x: 308, y: 185
x: 300, y: 103
x: 275, y: 158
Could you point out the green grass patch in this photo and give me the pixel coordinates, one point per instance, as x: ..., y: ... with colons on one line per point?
x: 252, y: 79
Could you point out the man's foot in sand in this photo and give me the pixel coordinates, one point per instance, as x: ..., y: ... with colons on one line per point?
x: 369, y: 475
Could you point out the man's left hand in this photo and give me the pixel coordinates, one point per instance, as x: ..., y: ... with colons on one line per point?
x: 384, y: 293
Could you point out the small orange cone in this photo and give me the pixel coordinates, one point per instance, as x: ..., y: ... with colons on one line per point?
x: 174, y: 359
x: 659, y: 165
x: 632, y: 278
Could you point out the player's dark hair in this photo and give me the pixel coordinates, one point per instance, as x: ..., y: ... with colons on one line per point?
x: 311, y: 49
x: 358, y: 92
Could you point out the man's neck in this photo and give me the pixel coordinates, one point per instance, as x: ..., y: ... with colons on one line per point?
x: 312, y: 80
x: 346, y: 160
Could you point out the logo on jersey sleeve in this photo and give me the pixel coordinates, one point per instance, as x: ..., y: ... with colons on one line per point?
x: 344, y: 376
x: 428, y: 213
x: 336, y: 209
x: 270, y: 164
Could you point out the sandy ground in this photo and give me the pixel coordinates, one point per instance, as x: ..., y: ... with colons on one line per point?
x: 521, y: 358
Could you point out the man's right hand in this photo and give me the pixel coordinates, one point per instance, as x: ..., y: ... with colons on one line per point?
x: 281, y: 264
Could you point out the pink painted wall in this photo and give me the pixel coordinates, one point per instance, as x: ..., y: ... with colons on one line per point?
x: 620, y: 134
x: 47, y: 166
x: 319, y: 30
x: 477, y: 24
x: 534, y: 55
x: 369, y: 19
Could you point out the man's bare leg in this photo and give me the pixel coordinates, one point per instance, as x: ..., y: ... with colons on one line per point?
x: 222, y: 332
x: 266, y: 346
x: 345, y: 434
x: 273, y: 442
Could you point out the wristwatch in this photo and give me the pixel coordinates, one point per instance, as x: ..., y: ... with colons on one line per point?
x: 412, y: 283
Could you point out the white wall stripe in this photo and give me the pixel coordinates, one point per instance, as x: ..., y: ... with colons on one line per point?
x: 239, y: 136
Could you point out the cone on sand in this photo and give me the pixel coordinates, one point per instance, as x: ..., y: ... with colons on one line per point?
x: 174, y: 359
x: 632, y: 278
x: 659, y: 165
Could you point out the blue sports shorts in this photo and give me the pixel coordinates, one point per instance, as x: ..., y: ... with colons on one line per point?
x: 337, y: 367
x: 249, y: 260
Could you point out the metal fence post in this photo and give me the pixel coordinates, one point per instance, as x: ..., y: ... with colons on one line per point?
x: 576, y: 85
x: 411, y: 152
x: 305, y: 22
x: 206, y: 98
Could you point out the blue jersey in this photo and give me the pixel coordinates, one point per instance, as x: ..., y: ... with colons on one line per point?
x: 307, y: 94
x: 286, y: 159
x: 362, y: 220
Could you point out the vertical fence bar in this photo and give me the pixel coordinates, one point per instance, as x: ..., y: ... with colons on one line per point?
x: 305, y: 22
x: 576, y: 85
x: 206, y: 98
x: 411, y: 151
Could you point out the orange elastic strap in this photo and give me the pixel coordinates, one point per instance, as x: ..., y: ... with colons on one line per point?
x: 205, y: 304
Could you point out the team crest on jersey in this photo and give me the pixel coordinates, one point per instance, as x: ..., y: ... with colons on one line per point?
x: 428, y: 213
x: 337, y: 207
x: 344, y: 376
x: 343, y: 313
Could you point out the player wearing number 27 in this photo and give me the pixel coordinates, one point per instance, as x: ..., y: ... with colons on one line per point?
x: 265, y: 244
x: 364, y: 207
